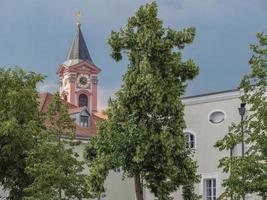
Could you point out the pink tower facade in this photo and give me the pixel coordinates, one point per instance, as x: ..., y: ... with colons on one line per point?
x: 79, y: 75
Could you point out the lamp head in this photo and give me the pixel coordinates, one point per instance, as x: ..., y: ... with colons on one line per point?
x: 242, y: 109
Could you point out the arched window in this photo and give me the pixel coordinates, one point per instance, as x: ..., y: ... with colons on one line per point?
x: 65, y: 97
x: 83, y: 100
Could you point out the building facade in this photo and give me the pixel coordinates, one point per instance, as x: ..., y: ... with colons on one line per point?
x: 208, y: 117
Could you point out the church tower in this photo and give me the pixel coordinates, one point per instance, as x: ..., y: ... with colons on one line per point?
x: 79, y: 75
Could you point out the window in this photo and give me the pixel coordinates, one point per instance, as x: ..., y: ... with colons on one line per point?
x: 84, y: 121
x: 66, y: 98
x: 210, y: 189
x: 216, y: 117
x: 191, y: 140
x: 83, y: 100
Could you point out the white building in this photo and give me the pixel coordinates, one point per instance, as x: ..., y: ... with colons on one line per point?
x: 208, y: 117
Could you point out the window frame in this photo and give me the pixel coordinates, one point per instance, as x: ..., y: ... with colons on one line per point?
x: 84, y: 124
x: 188, y: 132
x: 213, y: 187
x: 79, y: 100
x: 217, y: 110
x: 213, y: 175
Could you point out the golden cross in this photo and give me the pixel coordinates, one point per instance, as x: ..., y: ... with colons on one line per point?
x: 78, y: 15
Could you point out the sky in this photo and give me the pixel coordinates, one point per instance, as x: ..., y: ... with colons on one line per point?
x: 36, y: 35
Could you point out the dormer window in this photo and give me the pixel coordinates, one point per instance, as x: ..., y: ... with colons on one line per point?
x: 84, y: 121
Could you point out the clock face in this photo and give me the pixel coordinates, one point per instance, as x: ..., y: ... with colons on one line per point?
x: 83, y: 81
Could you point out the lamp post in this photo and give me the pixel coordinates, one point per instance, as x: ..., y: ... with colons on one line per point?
x: 242, y: 111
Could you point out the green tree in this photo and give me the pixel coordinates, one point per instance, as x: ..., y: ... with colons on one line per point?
x: 53, y: 165
x: 19, y: 125
x: 143, y: 135
x: 249, y: 174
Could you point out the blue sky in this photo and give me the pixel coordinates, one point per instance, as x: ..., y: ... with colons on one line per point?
x: 36, y: 35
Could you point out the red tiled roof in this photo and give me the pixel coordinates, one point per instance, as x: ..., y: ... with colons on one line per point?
x: 46, y: 98
x: 75, y: 110
x: 91, y: 130
x: 101, y: 115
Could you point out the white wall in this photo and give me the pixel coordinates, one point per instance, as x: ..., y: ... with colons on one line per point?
x: 207, y: 156
x: 197, y: 111
x: 116, y: 188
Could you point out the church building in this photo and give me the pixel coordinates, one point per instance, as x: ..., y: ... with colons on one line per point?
x: 78, y: 87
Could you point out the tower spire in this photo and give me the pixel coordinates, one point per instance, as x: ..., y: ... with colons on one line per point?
x: 78, y: 51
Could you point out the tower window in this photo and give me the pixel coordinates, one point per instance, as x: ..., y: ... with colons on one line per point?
x: 83, y: 100
x: 65, y: 97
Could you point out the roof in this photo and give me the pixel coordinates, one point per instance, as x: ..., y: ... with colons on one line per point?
x: 78, y: 51
x: 212, y: 97
x: 46, y: 98
x: 76, y: 110
x: 211, y: 93
x: 101, y: 115
x: 84, y: 133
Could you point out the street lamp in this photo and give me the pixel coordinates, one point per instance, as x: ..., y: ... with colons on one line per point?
x: 242, y: 111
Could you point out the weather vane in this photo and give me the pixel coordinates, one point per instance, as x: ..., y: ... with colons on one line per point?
x: 78, y: 15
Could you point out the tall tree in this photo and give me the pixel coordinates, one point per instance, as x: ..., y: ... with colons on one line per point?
x: 19, y: 125
x: 143, y: 135
x: 249, y: 174
x: 53, y: 165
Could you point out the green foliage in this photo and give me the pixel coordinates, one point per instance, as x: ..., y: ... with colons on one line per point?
x: 143, y: 135
x: 249, y: 174
x: 52, y: 164
x: 19, y: 125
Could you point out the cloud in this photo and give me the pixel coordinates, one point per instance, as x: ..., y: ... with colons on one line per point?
x: 207, y: 11
x: 47, y: 87
x: 46, y: 28
x: 104, y: 94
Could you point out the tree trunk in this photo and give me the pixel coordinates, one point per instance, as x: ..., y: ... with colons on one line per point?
x: 138, y: 187
x: 59, y: 193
